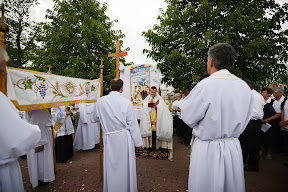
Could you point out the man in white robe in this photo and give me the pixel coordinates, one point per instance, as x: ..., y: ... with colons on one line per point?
x: 63, y: 140
x: 121, y: 135
x: 17, y: 137
x: 40, y: 159
x: 164, y: 123
x: 218, y: 109
x: 88, y: 132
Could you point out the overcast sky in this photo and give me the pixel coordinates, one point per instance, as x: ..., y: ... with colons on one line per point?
x: 134, y: 17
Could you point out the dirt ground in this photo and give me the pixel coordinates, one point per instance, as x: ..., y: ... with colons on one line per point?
x: 81, y: 173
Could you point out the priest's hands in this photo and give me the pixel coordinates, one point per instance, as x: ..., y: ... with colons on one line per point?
x: 68, y: 112
x: 39, y: 149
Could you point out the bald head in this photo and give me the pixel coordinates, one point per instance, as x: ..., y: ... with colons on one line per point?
x: 116, y: 84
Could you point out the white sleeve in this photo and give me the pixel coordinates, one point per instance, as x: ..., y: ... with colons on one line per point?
x: 83, y: 113
x: 17, y: 136
x: 132, y: 123
x: 44, y: 139
x: 194, y: 106
x: 276, y: 107
x: 95, y: 115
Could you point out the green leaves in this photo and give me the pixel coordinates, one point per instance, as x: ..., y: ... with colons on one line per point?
x: 74, y: 40
x: 188, y: 28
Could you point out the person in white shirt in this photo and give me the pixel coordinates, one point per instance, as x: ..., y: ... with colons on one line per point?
x: 63, y: 140
x: 284, y: 127
x: 218, y: 109
x: 269, y: 116
x: 250, y: 138
x: 177, y: 114
x: 278, y: 105
x: 40, y: 159
x: 121, y: 134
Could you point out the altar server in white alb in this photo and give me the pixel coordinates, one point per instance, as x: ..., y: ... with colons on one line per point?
x: 17, y: 137
x: 40, y: 159
x: 63, y: 141
x: 218, y: 109
x: 88, y: 132
x: 121, y: 135
x: 164, y: 123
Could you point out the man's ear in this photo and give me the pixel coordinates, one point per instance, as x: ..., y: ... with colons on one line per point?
x: 212, y: 63
x: 111, y: 88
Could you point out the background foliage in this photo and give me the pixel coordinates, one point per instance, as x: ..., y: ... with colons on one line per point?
x: 75, y: 37
x: 189, y: 27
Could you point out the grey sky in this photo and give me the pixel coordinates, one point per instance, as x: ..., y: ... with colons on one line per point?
x: 134, y: 16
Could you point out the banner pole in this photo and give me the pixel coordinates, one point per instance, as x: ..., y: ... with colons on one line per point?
x: 101, y: 142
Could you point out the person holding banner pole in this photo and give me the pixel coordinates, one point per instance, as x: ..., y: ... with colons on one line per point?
x: 40, y: 159
x: 16, y: 139
x: 62, y: 131
x: 121, y: 135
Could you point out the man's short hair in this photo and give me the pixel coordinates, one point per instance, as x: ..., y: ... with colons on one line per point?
x: 268, y: 89
x: 177, y: 94
x: 3, y: 54
x: 154, y: 88
x: 116, y: 84
x: 186, y: 92
x: 279, y: 89
x: 249, y: 83
x: 223, y: 54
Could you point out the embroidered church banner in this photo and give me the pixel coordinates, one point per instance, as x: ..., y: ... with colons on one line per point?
x: 137, y: 80
x: 140, y: 83
x: 31, y: 90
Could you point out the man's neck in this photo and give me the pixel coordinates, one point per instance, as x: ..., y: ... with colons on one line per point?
x: 213, y: 70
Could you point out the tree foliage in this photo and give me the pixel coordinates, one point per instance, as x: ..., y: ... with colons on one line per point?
x: 189, y: 27
x: 75, y: 39
x: 20, y: 28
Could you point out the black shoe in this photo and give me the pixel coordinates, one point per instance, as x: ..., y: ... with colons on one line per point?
x: 285, y: 164
x: 24, y: 156
x: 249, y: 169
x: 60, y: 161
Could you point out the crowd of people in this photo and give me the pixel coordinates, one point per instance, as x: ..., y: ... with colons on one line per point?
x: 266, y: 130
x: 230, y: 121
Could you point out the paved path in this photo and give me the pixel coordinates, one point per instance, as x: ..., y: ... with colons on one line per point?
x: 81, y: 173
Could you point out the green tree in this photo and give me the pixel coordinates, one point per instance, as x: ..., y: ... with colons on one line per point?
x: 75, y: 39
x: 189, y: 27
x: 18, y: 39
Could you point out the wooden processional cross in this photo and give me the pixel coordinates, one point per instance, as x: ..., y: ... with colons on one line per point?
x: 117, y: 55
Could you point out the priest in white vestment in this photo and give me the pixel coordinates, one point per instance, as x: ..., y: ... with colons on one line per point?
x: 121, y: 135
x: 164, y: 123
x: 40, y: 159
x: 16, y: 139
x: 88, y: 132
x: 218, y: 109
x: 63, y: 140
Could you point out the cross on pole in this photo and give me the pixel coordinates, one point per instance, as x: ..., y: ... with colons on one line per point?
x: 2, y: 12
x: 117, y: 55
x: 49, y: 71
